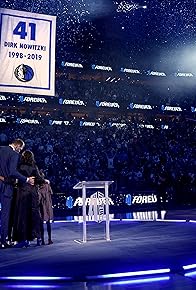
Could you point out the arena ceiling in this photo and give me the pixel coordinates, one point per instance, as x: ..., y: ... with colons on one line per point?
x: 154, y: 33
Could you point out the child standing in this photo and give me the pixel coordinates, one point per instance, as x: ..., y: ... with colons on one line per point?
x: 46, y: 210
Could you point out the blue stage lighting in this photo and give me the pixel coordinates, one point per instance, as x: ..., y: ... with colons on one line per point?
x: 188, y: 267
x: 190, y: 274
x: 139, y: 281
x: 35, y: 278
x: 130, y: 274
x: 173, y: 221
x: 32, y: 286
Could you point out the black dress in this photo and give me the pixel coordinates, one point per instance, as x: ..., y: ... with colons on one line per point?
x: 27, y: 218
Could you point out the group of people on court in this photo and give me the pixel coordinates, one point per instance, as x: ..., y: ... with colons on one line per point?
x: 25, y: 197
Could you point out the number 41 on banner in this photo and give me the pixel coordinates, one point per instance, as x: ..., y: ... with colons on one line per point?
x: 20, y: 30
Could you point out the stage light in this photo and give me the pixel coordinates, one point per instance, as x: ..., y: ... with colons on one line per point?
x: 139, y: 281
x: 190, y: 274
x: 35, y: 278
x: 173, y: 221
x: 32, y: 286
x: 188, y: 267
x: 130, y: 274
x: 64, y: 221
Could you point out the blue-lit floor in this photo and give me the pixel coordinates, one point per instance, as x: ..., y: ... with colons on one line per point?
x: 173, y: 282
x: 134, y: 246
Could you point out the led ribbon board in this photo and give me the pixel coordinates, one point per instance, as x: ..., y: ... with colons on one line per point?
x: 27, y: 52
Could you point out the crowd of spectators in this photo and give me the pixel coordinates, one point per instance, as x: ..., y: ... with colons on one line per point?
x: 90, y: 88
x: 124, y: 89
x: 135, y: 158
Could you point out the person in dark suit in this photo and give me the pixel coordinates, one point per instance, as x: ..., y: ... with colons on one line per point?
x: 9, y: 156
x: 27, y: 218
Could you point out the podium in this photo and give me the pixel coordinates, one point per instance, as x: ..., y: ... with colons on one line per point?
x: 84, y: 185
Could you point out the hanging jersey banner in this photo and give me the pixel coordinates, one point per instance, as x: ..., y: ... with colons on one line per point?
x: 27, y: 52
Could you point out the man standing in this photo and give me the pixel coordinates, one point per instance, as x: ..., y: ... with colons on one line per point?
x: 9, y: 156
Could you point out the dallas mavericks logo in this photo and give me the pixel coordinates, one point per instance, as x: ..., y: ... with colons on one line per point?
x: 21, y: 99
x: 69, y: 202
x: 131, y: 105
x: 96, y: 207
x: 60, y: 101
x: 97, y: 103
x: 128, y: 199
x: 24, y: 73
x: 18, y: 120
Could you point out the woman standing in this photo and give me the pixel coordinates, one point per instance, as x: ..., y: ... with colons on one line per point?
x: 27, y: 219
